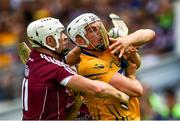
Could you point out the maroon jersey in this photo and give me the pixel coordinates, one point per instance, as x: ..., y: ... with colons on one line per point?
x: 43, y: 90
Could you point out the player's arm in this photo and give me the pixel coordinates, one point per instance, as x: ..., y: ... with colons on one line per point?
x: 135, y: 58
x: 129, y: 84
x: 96, y: 88
x: 131, y: 70
x: 122, y: 83
x: 137, y: 38
x: 131, y: 87
x: 73, y: 57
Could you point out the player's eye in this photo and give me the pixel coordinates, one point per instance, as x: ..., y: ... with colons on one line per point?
x: 93, y: 29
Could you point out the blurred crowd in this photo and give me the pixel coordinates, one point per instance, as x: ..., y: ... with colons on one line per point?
x: 158, y: 106
x: 15, y: 15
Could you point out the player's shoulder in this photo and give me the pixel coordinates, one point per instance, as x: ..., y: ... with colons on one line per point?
x: 52, y: 61
x: 54, y: 65
x: 89, y: 61
x: 92, y: 65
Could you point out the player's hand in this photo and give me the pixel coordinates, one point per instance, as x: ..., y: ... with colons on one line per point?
x: 130, y: 52
x: 131, y: 49
x: 118, y: 45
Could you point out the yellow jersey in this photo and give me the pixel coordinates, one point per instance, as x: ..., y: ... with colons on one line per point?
x: 102, y: 67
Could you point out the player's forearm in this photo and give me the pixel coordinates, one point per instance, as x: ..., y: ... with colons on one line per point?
x: 138, y: 89
x: 141, y: 37
x: 129, y: 86
x: 95, y: 88
x: 136, y: 59
x: 109, y: 91
x: 134, y: 89
x: 131, y: 76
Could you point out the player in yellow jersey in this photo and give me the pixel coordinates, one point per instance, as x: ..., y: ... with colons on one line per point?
x: 98, y: 63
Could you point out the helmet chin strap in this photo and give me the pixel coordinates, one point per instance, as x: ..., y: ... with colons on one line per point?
x: 59, y: 54
x: 101, y: 47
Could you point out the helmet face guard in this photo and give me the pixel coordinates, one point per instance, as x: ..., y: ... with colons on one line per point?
x: 91, y: 31
x: 104, y: 35
x: 96, y: 36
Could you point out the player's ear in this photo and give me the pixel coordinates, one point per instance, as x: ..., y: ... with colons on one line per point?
x: 51, y: 41
x: 80, y: 40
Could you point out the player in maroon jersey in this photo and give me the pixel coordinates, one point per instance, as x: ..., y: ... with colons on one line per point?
x: 47, y: 77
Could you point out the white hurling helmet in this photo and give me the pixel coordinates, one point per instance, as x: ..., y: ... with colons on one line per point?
x: 77, y: 27
x: 38, y: 30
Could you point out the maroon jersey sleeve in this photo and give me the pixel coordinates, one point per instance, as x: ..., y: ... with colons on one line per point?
x: 64, y: 74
